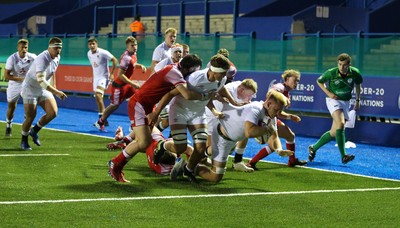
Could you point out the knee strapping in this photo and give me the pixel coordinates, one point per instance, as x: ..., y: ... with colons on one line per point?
x: 100, y: 91
x: 179, y: 136
x: 199, y: 135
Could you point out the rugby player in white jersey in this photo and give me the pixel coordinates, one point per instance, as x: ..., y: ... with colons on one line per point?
x: 242, y: 92
x: 163, y: 50
x: 36, y: 89
x: 99, y: 58
x: 176, y: 56
x: 248, y: 121
x: 17, y: 66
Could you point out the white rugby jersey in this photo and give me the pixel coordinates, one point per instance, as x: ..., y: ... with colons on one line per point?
x: 162, y: 51
x: 235, y: 118
x: 19, y: 66
x: 99, y: 61
x: 232, y: 89
x: 197, y: 81
x: 43, y: 63
x: 163, y: 63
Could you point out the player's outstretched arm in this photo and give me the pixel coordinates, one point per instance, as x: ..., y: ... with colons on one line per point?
x: 275, y: 144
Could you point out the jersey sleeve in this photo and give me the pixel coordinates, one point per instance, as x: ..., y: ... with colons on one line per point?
x: 175, y: 77
x: 252, y: 113
x: 124, y: 63
x: 160, y: 65
x: 10, y: 63
x: 278, y: 87
x: 107, y: 54
x: 157, y: 54
x: 325, y: 76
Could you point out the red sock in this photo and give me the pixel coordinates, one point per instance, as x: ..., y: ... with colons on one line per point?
x: 260, y: 155
x: 119, y: 159
x: 292, y: 147
x: 127, y: 140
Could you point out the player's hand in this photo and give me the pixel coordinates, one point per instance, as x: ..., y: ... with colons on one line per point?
x: 219, y: 115
x: 144, y: 69
x: 241, y: 104
x: 220, y: 98
x: 152, y: 118
x: 284, y: 153
x: 295, y: 118
x: 61, y: 95
x: 111, y: 78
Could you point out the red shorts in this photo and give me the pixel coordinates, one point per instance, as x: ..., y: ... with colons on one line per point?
x: 137, y: 113
x: 118, y: 95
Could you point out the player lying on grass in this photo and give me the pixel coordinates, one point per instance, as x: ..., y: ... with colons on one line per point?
x: 167, y: 161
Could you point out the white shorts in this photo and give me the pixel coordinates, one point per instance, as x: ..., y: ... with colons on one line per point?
x: 14, y: 92
x: 211, y: 123
x: 34, y: 96
x: 180, y: 116
x: 99, y: 82
x: 334, y: 105
x: 165, y: 112
x: 220, y: 147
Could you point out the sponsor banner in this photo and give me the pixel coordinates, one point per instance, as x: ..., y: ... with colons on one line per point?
x: 380, y: 96
x: 80, y: 78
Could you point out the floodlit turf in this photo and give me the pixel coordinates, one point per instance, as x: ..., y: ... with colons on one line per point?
x: 64, y: 183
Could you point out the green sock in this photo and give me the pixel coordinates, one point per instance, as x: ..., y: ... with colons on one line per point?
x: 341, y: 141
x: 325, y: 138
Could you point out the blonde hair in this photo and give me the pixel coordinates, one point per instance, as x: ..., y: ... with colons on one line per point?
x: 130, y: 39
x: 277, y: 96
x: 249, y: 83
x: 23, y: 41
x: 185, y: 46
x: 290, y: 73
x: 224, y: 52
x: 171, y: 30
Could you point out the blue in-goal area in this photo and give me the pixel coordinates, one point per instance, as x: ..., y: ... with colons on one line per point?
x: 371, y: 160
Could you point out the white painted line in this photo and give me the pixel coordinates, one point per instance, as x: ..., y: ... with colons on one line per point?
x: 329, y: 171
x: 196, y: 196
x: 31, y: 155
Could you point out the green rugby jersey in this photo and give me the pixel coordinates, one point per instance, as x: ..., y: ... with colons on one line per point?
x: 341, y: 86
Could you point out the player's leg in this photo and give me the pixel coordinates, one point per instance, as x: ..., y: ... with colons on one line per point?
x: 116, y: 100
x: 238, y: 164
x: 99, y: 86
x: 338, y: 130
x: 49, y: 105
x: 285, y: 132
x: 220, y: 152
x: 325, y: 138
x: 143, y: 138
x: 30, y: 106
x: 13, y: 95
